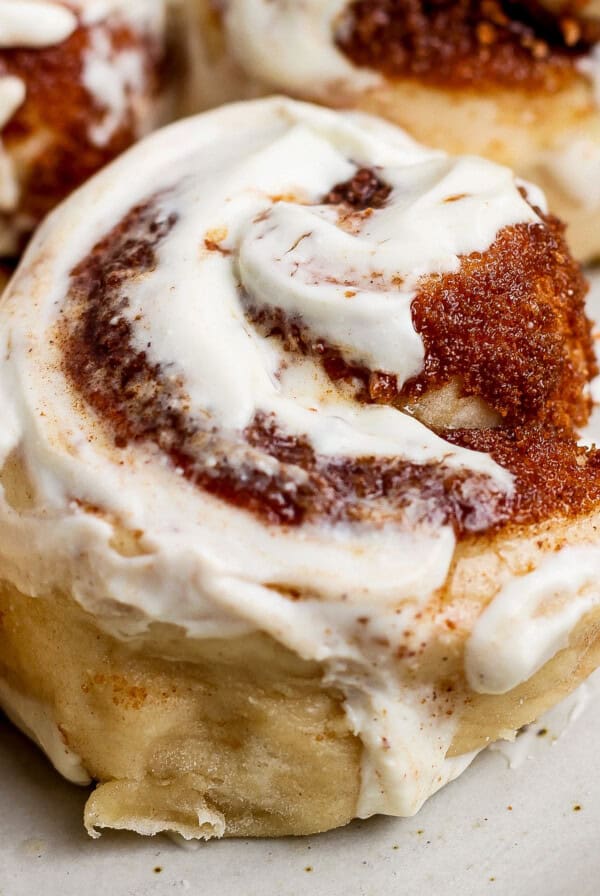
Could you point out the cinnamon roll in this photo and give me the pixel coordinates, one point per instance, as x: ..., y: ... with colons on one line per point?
x: 80, y: 80
x: 514, y: 81
x: 294, y: 519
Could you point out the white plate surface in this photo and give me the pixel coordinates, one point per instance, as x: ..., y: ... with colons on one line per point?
x: 529, y: 831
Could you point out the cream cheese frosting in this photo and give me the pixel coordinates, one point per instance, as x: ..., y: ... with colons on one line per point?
x: 531, y: 619
x: 243, y: 187
x: 289, y: 46
x: 34, y: 23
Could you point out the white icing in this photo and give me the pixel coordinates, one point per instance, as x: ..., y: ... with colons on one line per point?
x: 206, y: 565
x: 12, y: 95
x: 34, y: 23
x: 36, y: 720
x: 116, y: 78
x: 290, y: 46
x: 575, y: 166
x: 531, y: 619
x: 111, y: 77
x: 590, y: 435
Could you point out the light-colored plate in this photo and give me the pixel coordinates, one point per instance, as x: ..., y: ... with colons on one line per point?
x: 465, y: 842
x: 507, y: 832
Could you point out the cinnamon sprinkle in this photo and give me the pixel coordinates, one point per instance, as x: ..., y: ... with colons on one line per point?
x: 510, y: 325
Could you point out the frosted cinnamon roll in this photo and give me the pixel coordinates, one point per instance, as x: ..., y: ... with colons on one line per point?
x: 293, y: 520
x: 514, y: 81
x: 80, y: 80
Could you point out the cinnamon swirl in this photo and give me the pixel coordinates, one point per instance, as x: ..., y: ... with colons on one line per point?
x: 514, y: 81
x: 294, y: 520
x: 79, y: 82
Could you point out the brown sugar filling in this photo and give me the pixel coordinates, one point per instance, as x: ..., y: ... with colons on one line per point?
x: 59, y: 108
x: 365, y: 190
x: 511, y: 324
x: 467, y: 43
x: 553, y: 476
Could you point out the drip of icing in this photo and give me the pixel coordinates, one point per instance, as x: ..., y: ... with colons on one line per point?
x: 206, y: 566
x: 35, y: 23
x: 12, y: 95
x: 531, y: 619
x: 114, y: 76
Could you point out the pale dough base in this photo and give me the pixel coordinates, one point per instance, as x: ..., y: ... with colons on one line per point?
x: 241, y: 737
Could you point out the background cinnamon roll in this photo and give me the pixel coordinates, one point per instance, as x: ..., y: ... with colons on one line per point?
x: 80, y: 80
x: 513, y: 81
x: 281, y: 542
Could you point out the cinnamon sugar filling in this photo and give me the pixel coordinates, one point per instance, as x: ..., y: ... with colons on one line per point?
x: 141, y: 404
x: 465, y: 43
x: 510, y: 324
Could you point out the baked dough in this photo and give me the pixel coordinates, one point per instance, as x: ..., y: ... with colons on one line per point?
x: 497, y: 79
x: 245, y: 588
x: 79, y: 82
